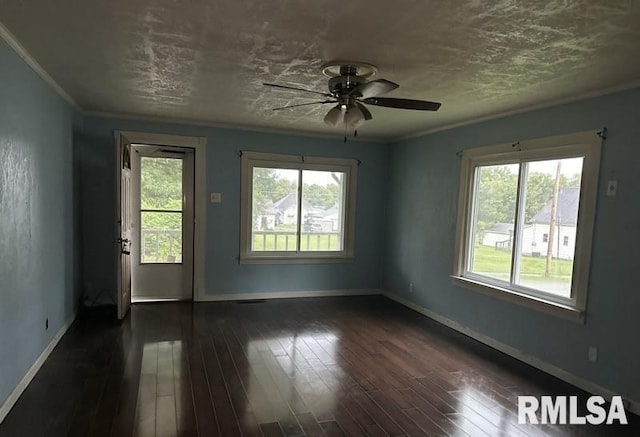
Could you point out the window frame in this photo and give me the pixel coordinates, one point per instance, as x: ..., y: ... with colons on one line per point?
x: 583, y: 144
x: 300, y: 163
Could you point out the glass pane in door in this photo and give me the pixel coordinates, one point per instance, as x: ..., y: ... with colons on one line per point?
x: 161, y: 209
x: 161, y: 237
x: 160, y: 184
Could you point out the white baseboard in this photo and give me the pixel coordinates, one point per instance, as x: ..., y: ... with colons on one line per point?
x: 588, y: 386
x: 156, y: 299
x: 284, y: 294
x: 24, y: 382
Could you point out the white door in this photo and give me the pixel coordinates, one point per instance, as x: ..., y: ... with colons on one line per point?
x: 162, y: 250
x: 123, y: 240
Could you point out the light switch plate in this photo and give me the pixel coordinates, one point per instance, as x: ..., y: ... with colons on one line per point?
x: 593, y: 354
x: 612, y: 188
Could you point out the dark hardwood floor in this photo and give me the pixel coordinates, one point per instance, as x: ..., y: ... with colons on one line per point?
x: 317, y: 367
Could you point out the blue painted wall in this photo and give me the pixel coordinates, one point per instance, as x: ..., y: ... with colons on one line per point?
x: 423, y: 192
x: 37, y: 274
x: 223, y: 273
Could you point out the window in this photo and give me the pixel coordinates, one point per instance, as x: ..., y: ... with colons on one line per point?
x: 297, y: 209
x: 525, y: 220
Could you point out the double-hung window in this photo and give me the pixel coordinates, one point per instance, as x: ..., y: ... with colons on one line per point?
x: 297, y: 209
x: 525, y: 220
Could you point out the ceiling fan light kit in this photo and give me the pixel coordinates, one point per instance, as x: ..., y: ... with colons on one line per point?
x: 350, y: 90
x: 353, y: 117
x: 334, y: 116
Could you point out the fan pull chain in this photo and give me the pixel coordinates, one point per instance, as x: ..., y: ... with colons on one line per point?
x: 355, y: 133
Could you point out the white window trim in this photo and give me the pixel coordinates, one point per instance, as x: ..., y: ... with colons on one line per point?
x: 586, y: 144
x: 257, y: 159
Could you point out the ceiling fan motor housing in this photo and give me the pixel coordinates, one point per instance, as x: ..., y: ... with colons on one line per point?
x: 344, y: 83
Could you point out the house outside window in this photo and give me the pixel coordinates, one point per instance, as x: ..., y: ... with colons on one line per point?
x: 297, y: 209
x: 525, y: 221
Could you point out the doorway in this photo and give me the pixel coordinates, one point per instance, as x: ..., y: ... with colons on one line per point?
x: 194, y: 155
x: 162, y: 234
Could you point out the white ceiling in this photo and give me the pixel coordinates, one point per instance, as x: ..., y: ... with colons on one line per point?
x: 205, y: 60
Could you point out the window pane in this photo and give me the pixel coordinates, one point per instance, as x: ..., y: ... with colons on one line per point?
x: 492, y: 227
x: 161, y: 183
x: 322, y: 211
x: 161, y: 237
x: 552, y: 195
x: 274, y: 209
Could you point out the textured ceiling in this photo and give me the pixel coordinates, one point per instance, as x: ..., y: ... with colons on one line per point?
x: 205, y: 61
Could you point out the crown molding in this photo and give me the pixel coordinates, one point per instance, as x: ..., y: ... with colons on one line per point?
x: 548, y: 104
x: 231, y: 126
x: 19, y: 49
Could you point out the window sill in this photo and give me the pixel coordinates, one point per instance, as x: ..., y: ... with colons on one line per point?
x: 296, y: 260
x: 532, y: 302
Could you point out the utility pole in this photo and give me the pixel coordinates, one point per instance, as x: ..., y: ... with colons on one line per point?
x: 552, y: 220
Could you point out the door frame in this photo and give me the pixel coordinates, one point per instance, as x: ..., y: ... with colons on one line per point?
x: 199, y: 146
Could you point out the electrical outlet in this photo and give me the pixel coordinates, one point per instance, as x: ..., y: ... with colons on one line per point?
x: 410, y: 287
x: 593, y: 354
x: 216, y: 197
x: 612, y: 188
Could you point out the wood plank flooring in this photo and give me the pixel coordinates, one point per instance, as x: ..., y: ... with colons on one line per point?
x: 356, y: 366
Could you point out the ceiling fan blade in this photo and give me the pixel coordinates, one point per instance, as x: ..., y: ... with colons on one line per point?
x: 286, y: 87
x: 419, y: 105
x: 303, y: 104
x: 374, y: 88
x: 334, y: 116
x: 365, y: 111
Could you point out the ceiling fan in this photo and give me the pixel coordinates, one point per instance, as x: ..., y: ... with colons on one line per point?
x: 350, y: 90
